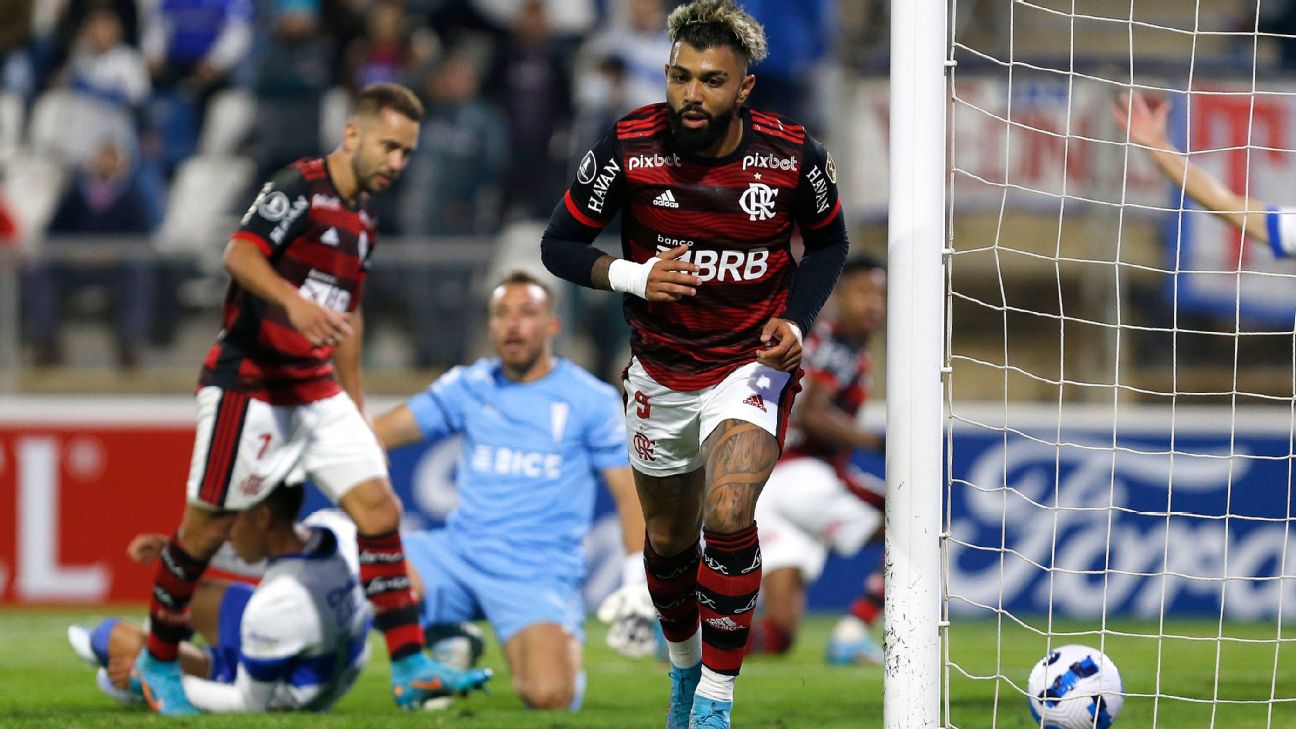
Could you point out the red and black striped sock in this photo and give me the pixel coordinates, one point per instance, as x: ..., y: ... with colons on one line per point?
x: 385, y: 579
x: 868, y: 606
x: 174, y: 582
x: 728, y: 583
x: 672, y: 582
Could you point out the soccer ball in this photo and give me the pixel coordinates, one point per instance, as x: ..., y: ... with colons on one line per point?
x: 1075, y: 687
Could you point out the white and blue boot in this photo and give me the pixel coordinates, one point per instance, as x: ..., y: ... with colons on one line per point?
x: 710, y: 714
x: 684, y: 683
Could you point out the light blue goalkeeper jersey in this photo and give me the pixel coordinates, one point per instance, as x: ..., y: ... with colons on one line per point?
x: 526, y: 476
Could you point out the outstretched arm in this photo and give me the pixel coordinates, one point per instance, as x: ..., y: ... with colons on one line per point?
x: 397, y: 427
x: 620, y: 483
x: 1146, y: 124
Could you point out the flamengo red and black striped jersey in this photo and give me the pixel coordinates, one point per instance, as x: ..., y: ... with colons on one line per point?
x: 736, y: 214
x: 321, y: 245
x: 845, y: 372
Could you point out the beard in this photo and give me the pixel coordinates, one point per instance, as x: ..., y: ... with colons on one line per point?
x: 691, y: 141
x: 521, y: 365
x: 368, y: 181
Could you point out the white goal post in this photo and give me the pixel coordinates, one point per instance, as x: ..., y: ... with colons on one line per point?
x: 916, y: 238
x: 1091, y: 381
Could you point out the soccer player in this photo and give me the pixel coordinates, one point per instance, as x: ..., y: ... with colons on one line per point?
x: 816, y: 499
x: 297, y: 641
x: 1147, y: 123
x: 710, y: 191
x: 269, y: 400
x: 536, y: 430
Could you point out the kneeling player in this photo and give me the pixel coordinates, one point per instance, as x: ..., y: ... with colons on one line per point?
x: 816, y: 500
x: 296, y: 641
x: 536, y: 430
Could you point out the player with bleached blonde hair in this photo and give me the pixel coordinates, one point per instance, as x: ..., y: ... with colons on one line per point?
x: 710, y: 191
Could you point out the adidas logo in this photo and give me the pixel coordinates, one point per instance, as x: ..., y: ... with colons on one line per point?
x: 724, y: 623
x: 756, y: 401
x: 666, y: 200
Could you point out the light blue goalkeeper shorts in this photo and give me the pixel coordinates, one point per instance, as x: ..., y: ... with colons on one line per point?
x: 456, y: 590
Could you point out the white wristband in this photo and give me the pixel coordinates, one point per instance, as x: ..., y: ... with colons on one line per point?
x: 632, y: 570
x: 628, y: 277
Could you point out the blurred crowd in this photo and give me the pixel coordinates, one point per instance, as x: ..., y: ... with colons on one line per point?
x: 155, y: 115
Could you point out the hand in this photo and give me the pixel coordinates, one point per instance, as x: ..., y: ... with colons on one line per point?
x: 633, y: 618
x: 781, y: 340
x: 145, y: 548
x: 672, y: 278
x: 1146, y: 123
x: 322, y: 327
x: 120, y: 669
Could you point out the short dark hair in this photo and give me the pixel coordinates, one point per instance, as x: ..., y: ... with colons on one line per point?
x: 863, y: 262
x: 710, y: 23
x: 286, y: 501
x: 525, y: 279
x: 378, y: 96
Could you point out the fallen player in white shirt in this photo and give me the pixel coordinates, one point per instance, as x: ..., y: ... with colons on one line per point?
x: 298, y: 641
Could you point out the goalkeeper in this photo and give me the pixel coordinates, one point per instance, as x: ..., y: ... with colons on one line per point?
x: 536, y: 430
x: 1147, y: 124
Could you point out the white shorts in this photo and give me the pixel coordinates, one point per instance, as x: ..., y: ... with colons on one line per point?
x: 666, y: 427
x: 245, y: 447
x: 805, y: 511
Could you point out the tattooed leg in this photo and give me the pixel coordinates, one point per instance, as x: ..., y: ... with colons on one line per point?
x: 739, y: 459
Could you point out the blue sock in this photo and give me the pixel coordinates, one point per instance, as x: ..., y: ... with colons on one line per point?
x: 99, y: 639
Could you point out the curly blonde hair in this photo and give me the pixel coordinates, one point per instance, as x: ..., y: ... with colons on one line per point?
x: 709, y: 23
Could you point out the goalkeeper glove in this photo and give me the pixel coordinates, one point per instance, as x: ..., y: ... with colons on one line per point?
x: 630, y: 613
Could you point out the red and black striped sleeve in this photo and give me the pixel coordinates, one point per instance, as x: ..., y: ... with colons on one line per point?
x: 590, y: 203
x: 279, y: 212
x: 823, y: 229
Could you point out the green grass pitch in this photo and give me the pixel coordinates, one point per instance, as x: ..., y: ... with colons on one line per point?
x: 43, y: 684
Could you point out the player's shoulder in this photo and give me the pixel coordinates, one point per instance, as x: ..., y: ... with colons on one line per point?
x: 279, y: 620
x: 646, y: 121
x: 778, y: 129
x: 480, y: 372
x: 299, y: 175
x: 472, y: 380
x: 311, y: 169
x: 581, y: 381
x: 280, y: 593
x: 461, y: 374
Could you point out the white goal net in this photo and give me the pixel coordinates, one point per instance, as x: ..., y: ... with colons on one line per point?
x: 1119, y: 365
